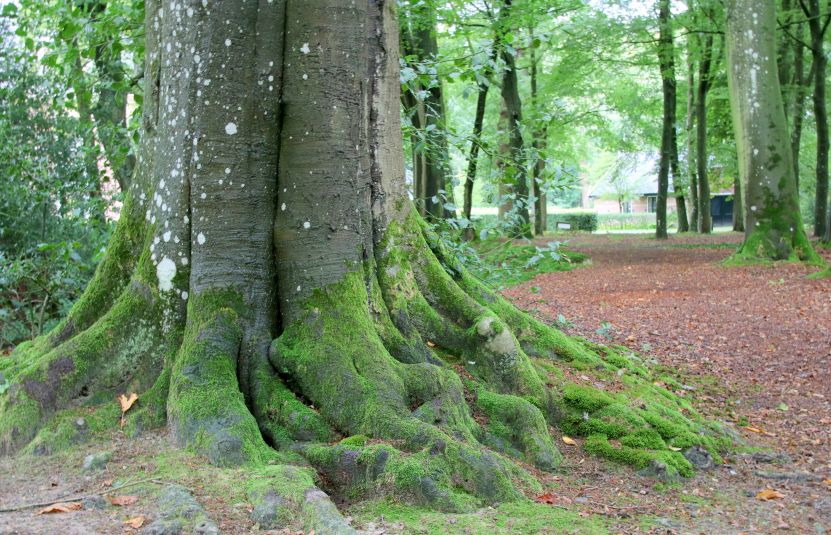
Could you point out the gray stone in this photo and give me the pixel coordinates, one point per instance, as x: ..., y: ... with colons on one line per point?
x: 270, y: 511
x: 95, y: 461
x: 660, y: 471
x: 767, y: 457
x: 95, y: 502
x: 179, y: 512
x: 700, y: 458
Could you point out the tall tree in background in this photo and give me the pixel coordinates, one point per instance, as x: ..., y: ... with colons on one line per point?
x: 689, y: 126
x: 666, y: 57
x: 426, y: 108
x: 705, y: 66
x: 540, y: 134
x: 818, y: 25
x: 514, y: 176
x: 773, y: 225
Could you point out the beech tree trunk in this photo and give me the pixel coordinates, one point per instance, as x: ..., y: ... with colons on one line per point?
x: 275, y: 300
x: 540, y: 143
x: 705, y: 220
x: 430, y: 151
x: 666, y: 57
x: 773, y: 225
x: 817, y: 25
x: 692, y: 176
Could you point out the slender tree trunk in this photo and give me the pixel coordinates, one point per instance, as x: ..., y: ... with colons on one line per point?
x: 432, y: 172
x: 817, y: 25
x: 666, y: 57
x: 705, y: 221
x: 539, y: 144
x: 773, y: 226
x: 738, y: 208
x: 476, y: 136
x: 692, y: 173
x: 678, y: 185
x: 800, y: 89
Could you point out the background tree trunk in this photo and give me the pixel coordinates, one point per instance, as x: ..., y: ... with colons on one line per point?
x: 692, y: 173
x: 773, y: 226
x: 540, y: 143
x: 817, y: 25
x: 705, y: 221
x: 666, y: 57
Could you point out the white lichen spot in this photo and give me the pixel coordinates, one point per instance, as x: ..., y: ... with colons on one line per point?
x: 200, y: 239
x: 305, y: 48
x: 227, y: 42
x: 184, y: 261
x: 184, y: 296
x: 298, y: 288
x: 166, y: 236
x: 202, y: 196
x: 305, y: 76
x: 283, y: 207
x: 227, y: 170
x: 231, y: 129
x: 165, y: 271
x: 752, y: 208
x: 307, y: 225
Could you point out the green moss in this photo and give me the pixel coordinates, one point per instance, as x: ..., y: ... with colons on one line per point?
x: 586, y: 398
x: 71, y: 427
x: 637, y: 456
x: 516, y: 517
x: 205, y: 406
x: 522, y: 425
x: 355, y: 440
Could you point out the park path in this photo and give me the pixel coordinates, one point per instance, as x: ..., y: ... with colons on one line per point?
x: 754, y: 340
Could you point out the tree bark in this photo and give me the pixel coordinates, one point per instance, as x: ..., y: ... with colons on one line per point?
x: 539, y: 144
x: 514, y: 176
x: 430, y: 152
x: 738, y: 208
x: 692, y: 175
x: 817, y: 25
x: 773, y: 226
x: 678, y: 185
x: 666, y: 57
x: 269, y: 287
x: 800, y: 84
x: 705, y: 221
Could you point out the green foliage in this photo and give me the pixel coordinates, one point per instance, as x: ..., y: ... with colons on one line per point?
x: 579, y: 220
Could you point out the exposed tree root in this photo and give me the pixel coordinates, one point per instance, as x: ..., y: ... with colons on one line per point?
x: 442, y: 388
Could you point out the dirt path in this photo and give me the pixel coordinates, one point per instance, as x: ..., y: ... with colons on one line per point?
x: 755, y: 341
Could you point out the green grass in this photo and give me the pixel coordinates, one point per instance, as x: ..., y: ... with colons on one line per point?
x: 516, y: 517
x: 506, y: 263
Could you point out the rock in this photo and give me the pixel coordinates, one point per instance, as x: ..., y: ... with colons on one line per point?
x: 179, y: 511
x: 270, y: 510
x: 660, y: 471
x: 95, y: 502
x: 700, y: 458
x: 771, y: 458
x: 95, y: 461
x: 800, y: 477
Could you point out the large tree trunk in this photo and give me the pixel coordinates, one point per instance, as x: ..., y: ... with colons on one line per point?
x: 678, y: 185
x: 666, y: 57
x: 269, y: 287
x: 705, y: 221
x: 738, y: 207
x: 818, y: 24
x: 773, y: 226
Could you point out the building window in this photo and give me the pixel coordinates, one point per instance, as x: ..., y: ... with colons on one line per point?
x: 651, y: 203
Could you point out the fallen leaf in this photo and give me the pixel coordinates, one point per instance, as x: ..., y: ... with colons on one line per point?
x: 753, y: 429
x: 123, y: 500
x: 673, y: 448
x: 570, y: 441
x: 135, y: 522
x: 61, y: 508
x: 769, y: 494
x: 127, y: 402
x: 546, y: 498
x: 431, y: 343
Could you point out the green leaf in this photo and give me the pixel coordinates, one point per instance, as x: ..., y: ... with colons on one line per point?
x: 9, y: 10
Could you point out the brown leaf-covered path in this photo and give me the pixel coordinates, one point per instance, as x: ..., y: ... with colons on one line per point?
x: 754, y: 341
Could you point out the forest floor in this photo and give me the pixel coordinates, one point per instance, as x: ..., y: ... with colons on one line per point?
x: 752, y: 346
